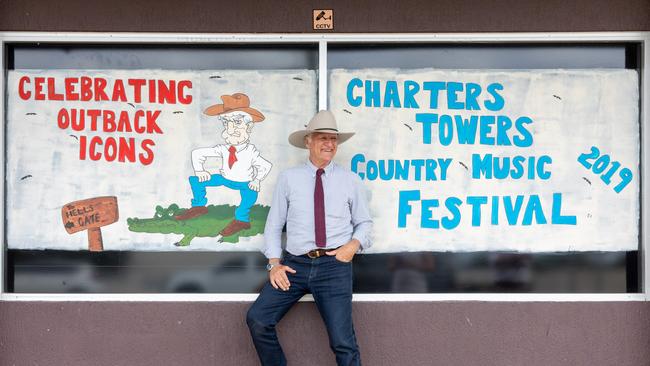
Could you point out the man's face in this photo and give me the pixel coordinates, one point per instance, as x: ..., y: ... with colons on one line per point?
x: 236, y: 130
x: 322, y: 147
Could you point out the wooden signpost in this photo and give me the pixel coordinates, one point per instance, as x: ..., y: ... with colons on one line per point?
x: 90, y: 214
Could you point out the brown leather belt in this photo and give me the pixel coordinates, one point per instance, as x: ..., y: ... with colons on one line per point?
x: 313, y: 254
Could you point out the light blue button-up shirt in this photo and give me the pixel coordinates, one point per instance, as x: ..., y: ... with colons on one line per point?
x: 346, y: 210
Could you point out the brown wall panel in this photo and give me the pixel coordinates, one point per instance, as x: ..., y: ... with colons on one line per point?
x: 349, y: 16
x: 439, y: 333
x: 445, y: 333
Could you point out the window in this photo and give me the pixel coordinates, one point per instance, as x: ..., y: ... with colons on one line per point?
x: 148, y: 262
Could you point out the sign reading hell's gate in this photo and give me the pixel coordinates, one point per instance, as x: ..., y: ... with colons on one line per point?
x: 90, y: 214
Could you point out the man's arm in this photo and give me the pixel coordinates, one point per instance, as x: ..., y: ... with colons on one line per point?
x: 275, y: 221
x: 198, y: 158
x: 361, y: 224
x: 360, y: 212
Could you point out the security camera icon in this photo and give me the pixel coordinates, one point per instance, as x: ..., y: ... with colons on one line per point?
x: 322, y: 16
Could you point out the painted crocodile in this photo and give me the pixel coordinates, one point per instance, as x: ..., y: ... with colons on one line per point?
x: 208, y: 225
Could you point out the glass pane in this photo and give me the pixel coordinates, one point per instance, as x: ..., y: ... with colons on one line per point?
x: 240, y: 272
x: 61, y: 271
x: 415, y: 272
x: 52, y: 271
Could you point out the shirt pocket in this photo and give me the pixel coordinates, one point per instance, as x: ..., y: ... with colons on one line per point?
x: 338, y: 208
x: 301, y: 203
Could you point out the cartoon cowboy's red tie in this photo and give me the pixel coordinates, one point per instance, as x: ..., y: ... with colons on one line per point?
x: 232, y: 158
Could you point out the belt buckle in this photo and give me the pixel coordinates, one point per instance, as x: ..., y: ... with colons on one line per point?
x: 313, y: 254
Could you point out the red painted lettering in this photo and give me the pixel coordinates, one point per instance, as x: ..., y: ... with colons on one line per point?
x: 70, y: 84
x: 63, y: 119
x: 127, y: 150
x: 109, y: 121
x: 182, y: 97
x: 166, y: 93
x: 94, y: 155
x: 147, y: 157
x: 94, y: 114
x: 110, y: 149
x: 38, y: 88
x: 24, y: 94
x: 137, y: 88
x: 77, y: 118
x: 152, y: 91
x: 124, y: 125
x: 136, y: 122
x: 152, y: 127
x: 51, y: 90
x: 118, y: 91
x: 100, y: 94
x: 86, y: 88
x: 82, y: 147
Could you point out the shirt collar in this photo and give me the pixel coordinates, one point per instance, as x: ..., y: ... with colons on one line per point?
x: 312, y: 168
x: 239, y: 147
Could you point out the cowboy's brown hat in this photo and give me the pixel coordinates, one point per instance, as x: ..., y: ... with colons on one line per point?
x: 234, y: 103
x: 323, y: 122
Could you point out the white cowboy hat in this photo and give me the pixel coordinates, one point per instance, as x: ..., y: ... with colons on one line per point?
x: 323, y: 122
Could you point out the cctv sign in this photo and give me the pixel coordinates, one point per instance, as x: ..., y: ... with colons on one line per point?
x: 323, y: 19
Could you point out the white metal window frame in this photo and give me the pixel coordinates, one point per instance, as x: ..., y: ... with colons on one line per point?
x: 642, y: 38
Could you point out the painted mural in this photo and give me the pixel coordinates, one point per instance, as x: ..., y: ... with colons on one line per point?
x: 529, y: 161
x: 186, y: 159
x: 525, y: 161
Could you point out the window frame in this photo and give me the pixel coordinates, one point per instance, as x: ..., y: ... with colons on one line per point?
x: 640, y: 38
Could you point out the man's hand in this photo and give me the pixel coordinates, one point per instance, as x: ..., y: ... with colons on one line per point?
x: 202, y: 175
x: 254, y: 185
x: 346, y: 252
x: 278, y: 276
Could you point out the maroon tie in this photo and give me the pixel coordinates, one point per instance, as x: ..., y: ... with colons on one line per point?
x: 232, y: 158
x: 319, y: 210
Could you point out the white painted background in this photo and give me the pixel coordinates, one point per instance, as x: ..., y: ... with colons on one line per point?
x: 38, y: 147
x: 594, y: 108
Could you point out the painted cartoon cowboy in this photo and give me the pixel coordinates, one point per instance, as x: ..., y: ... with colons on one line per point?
x: 242, y: 169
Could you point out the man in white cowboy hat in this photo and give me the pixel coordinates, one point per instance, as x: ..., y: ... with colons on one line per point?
x: 242, y: 166
x: 326, y: 214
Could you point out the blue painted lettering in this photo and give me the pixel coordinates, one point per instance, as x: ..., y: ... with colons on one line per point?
x: 476, y: 202
x: 391, y: 97
x: 352, y: 100
x: 452, y: 204
x: 533, y: 207
x: 426, y: 218
x: 373, y: 96
x: 404, y: 208
x: 411, y: 88
x: 557, y: 218
x: 498, y: 102
x: 452, y: 95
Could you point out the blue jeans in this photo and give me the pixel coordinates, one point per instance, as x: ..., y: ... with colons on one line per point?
x: 330, y: 282
x: 248, y: 196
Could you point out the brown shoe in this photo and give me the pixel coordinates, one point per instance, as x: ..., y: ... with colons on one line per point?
x: 192, y: 213
x: 234, y: 227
